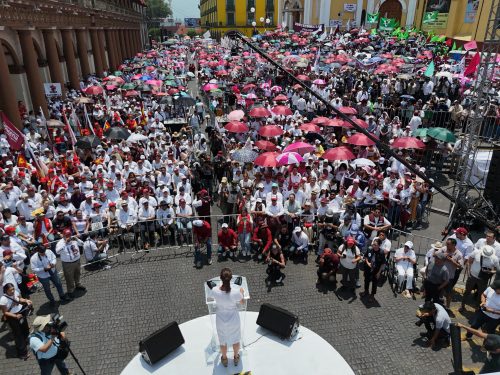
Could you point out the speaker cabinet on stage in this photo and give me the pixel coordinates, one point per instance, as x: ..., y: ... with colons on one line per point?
x: 164, y: 341
x: 491, y: 190
x: 278, y: 320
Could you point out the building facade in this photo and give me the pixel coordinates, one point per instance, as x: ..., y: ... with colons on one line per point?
x: 461, y: 20
x: 220, y: 16
x: 62, y: 41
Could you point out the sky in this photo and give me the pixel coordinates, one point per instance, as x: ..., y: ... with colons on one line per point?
x: 185, y: 9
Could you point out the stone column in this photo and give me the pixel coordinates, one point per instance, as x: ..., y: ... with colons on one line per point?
x: 123, y: 44
x: 116, y: 45
x: 8, y: 102
x: 111, y: 51
x: 55, y: 70
x: 130, y: 36
x: 81, y: 42
x: 359, y: 10
x: 32, y: 72
x: 69, y: 55
x: 104, y: 59
x: 96, y: 51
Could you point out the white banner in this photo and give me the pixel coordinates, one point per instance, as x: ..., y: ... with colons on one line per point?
x: 52, y: 89
x: 350, y: 7
x: 335, y: 23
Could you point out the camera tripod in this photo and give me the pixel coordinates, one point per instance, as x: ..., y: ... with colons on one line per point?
x: 72, y: 354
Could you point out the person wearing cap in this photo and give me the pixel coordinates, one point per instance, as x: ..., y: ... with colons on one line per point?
x: 67, y: 248
x: 483, y: 264
x: 228, y: 241
x: 489, y: 239
x: 437, y: 323
x: 202, y: 235
x: 274, y: 193
x: 275, y: 263
x: 491, y: 343
x: 66, y: 206
x: 262, y: 239
x: 405, y: 259
x: 350, y: 255
x: 127, y: 222
x: 437, y: 276
x: 259, y: 192
x: 328, y: 226
x: 146, y: 218
x: 43, y: 264
x: 45, y: 341
x: 300, y: 244
x: 455, y: 263
x: 14, y: 309
x: 464, y: 244
x: 275, y: 210
x: 95, y: 250
x: 184, y: 214
x: 488, y: 316
x: 438, y: 245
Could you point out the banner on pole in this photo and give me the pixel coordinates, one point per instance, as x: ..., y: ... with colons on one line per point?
x: 439, y: 21
x: 52, y: 89
x: 298, y: 27
x: 14, y: 135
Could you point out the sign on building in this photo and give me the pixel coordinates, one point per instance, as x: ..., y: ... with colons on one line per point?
x: 52, y: 89
x: 192, y: 22
x: 350, y: 7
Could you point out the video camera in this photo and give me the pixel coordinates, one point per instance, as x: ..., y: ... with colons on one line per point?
x: 57, y: 323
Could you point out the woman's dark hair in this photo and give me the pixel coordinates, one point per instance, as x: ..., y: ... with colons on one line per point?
x: 7, y: 286
x: 378, y: 241
x: 226, y: 275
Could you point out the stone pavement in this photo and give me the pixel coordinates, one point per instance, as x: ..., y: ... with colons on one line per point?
x: 136, y: 297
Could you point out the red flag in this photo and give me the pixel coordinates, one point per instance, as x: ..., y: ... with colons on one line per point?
x: 14, y: 135
x: 472, y: 67
x: 449, y: 42
x: 470, y: 45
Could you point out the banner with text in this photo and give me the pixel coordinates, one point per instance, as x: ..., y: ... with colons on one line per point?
x: 442, y: 7
x: 298, y: 27
x: 14, y: 135
x: 52, y: 89
x: 350, y: 7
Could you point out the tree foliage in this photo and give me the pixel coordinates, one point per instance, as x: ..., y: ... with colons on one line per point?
x: 157, y: 9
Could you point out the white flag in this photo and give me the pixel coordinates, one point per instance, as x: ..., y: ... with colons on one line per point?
x: 317, y: 31
x: 322, y: 37
x: 207, y: 35
x: 348, y: 25
x: 88, y: 119
x: 316, y: 61
x: 461, y: 66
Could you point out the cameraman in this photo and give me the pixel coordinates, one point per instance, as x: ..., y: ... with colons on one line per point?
x: 437, y: 323
x: 45, y: 342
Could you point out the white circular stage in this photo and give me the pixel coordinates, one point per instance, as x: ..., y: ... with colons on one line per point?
x: 307, y: 353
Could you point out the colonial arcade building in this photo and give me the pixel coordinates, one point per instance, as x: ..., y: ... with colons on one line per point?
x: 62, y: 41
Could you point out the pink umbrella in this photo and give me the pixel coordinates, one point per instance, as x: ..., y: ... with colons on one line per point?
x: 110, y: 87
x: 210, y: 86
x: 319, y: 82
x: 251, y: 96
x: 348, y: 110
x: 336, y: 122
x: 359, y: 139
x: 281, y: 98
x: 361, y: 123
x: 267, y: 159
x: 265, y: 145
x: 276, y: 89
x: 299, y: 147
x: 137, y: 76
x: 281, y: 110
x: 320, y: 120
x: 236, y: 115
x: 270, y: 131
x: 310, y: 127
x: 118, y: 80
x: 94, y: 90
x: 248, y: 87
x: 236, y: 127
x: 408, y: 142
x: 259, y: 112
x: 154, y: 82
x: 339, y: 153
x: 288, y: 158
x: 303, y: 77
x: 132, y: 93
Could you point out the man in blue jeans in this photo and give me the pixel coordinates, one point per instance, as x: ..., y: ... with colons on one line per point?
x: 43, y: 264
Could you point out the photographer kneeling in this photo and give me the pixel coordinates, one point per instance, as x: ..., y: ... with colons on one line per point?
x: 46, y: 341
x: 437, y: 323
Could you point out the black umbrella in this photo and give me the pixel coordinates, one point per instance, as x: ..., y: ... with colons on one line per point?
x: 311, y: 137
x: 185, y: 100
x: 88, y: 142
x: 117, y: 133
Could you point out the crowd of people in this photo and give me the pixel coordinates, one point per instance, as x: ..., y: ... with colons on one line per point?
x: 152, y: 156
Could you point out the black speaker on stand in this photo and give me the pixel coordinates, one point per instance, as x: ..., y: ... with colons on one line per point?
x: 492, y: 185
x: 280, y: 321
x: 164, y: 341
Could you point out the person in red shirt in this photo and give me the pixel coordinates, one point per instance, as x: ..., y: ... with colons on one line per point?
x: 202, y: 234
x: 228, y: 241
x: 328, y: 266
x: 262, y: 240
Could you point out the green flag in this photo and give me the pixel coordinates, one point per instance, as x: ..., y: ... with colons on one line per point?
x: 430, y: 17
x: 429, y: 72
x: 454, y: 47
x: 372, y: 17
x: 387, y: 24
x: 374, y: 32
x: 396, y: 32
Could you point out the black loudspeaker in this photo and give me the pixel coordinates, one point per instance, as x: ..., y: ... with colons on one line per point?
x: 164, y: 341
x: 492, y: 184
x: 280, y: 321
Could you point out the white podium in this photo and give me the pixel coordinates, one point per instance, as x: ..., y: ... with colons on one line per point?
x: 237, y: 282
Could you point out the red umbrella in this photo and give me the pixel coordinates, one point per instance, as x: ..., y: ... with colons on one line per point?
x: 270, y: 131
x: 265, y: 145
x: 282, y: 110
x: 248, y: 87
x: 267, y: 159
x: 281, y: 98
x: 362, y: 123
x: 94, y: 90
x: 339, y: 153
x: 310, y: 127
x: 337, y: 122
x: 299, y: 147
x: 320, y: 120
x: 236, y: 127
x: 408, y: 142
x: 359, y: 139
x: 348, y: 110
x: 132, y: 93
x: 303, y: 77
x: 259, y: 112
x: 110, y: 87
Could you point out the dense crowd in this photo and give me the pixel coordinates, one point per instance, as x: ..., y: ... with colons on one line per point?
x: 187, y: 126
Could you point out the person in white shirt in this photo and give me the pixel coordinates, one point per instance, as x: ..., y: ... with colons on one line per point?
x: 95, y: 251
x: 415, y: 121
x: 350, y: 255
x: 483, y: 264
x: 26, y: 206
x: 488, y: 316
x: 300, y: 244
x: 147, y: 216
x: 43, y: 264
x: 165, y: 222
x: 67, y: 249
x: 489, y: 240
x: 275, y: 209
x: 127, y: 222
x: 464, y: 244
x: 405, y: 258
x: 184, y: 214
x: 375, y: 222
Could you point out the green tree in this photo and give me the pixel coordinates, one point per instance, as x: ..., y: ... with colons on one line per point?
x: 157, y: 9
x: 192, y: 33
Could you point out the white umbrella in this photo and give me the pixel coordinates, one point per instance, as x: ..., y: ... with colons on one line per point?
x: 362, y: 162
x: 136, y: 137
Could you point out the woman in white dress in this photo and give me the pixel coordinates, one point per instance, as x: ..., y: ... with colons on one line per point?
x: 227, y: 317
